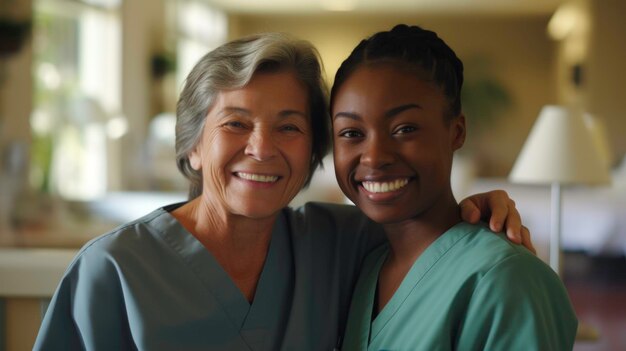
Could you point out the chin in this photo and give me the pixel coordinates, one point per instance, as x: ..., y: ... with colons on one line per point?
x: 261, y: 214
x: 258, y: 211
x: 385, y: 215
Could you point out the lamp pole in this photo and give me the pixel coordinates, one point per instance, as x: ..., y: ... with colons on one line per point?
x: 555, y: 227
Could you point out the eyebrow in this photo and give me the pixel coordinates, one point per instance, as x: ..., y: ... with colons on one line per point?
x: 394, y: 111
x: 282, y: 114
x: 397, y: 110
x: 231, y: 109
x: 287, y: 113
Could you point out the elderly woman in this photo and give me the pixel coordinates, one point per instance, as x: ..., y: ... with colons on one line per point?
x: 233, y: 268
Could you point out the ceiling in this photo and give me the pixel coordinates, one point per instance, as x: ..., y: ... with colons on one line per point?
x: 475, y: 7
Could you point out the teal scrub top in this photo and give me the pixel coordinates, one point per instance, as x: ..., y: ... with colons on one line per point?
x: 151, y: 285
x: 467, y: 291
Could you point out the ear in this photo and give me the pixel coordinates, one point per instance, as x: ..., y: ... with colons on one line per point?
x: 457, y: 132
x: 195, y: 158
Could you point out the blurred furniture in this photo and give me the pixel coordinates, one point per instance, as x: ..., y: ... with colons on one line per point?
x: 28, y: 279
x: 13, y: 171
x: 593, y: 222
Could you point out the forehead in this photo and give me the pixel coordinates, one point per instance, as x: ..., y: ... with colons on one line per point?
x: 385, y: 85
x: 277, y: 89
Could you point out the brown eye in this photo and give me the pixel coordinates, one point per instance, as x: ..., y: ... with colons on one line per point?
x: 405, y: 130
x: 350, y: 134
x: 234, y: 124
x: 290, y: 128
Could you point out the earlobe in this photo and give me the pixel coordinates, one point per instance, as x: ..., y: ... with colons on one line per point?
x: 195, y: 160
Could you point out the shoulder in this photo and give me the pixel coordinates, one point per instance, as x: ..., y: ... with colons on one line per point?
x: 130, y: 241
x: 342, y: 232
x: 507, y: 273
x: 105, y: 285
x: 328, y: 211
x: 475, y: 246
x: 126, y: 234
x: 508, y: 286
x: 331, y: 218
x: 490, y: 260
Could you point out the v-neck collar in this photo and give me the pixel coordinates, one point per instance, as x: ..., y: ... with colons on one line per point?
x: 418, y: 270
x: 254, y: 320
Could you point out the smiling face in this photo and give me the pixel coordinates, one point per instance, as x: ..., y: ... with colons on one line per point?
x: 255, y: 150
x: 393, y: 146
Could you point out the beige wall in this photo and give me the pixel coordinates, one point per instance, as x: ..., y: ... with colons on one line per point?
x: 598, y: 44
x: 518, y: 48
x: 605, y: 86
x: 16, y: 83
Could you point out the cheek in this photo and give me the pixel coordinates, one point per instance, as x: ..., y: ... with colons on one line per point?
x: 345, y: 156
x: 433, y: 165
x: 338, y: 159
x: 216, y: 152
x: 343, y: 160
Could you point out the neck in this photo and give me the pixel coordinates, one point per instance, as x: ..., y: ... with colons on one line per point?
x: 239, y: 244
x: 214, y: 226
x: 409, y: 238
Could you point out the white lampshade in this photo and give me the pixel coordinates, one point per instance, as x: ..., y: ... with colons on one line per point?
x: 599, y: 136
x: 560, y: 149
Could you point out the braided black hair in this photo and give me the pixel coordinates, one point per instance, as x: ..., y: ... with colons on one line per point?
x: 416, y: 47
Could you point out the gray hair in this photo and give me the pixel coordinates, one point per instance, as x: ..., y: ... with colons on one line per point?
x: 232, y: 66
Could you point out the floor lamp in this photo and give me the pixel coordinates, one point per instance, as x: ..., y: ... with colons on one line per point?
x: 560, y: 150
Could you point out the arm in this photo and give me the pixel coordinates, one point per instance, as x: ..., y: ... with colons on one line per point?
x: 499, y: 210
x: 519, y: 304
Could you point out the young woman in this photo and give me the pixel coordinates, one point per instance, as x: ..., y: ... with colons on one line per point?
x: 439, y: 283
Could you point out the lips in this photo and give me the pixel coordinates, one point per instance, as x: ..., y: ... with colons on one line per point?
x: 261, y: 178
x: 385, y: 186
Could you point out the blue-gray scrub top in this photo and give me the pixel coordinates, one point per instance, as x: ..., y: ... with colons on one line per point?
x: 150, y: 285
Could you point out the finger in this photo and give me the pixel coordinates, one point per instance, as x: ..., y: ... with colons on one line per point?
x: 526, y: 241
x: 499, y: 211
x: 469, y: 211
x: 514, y: 223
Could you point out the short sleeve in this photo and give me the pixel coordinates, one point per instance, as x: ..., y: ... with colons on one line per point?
x: 87, y: 310
x: 519, y: 304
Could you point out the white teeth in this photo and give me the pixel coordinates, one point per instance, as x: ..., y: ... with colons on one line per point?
x: 383, y: 187
x: 258, y: 177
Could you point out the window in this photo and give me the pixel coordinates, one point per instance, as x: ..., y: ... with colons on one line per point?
x: 200, y: 30
x: 76, y: 117
x: 197, y: 28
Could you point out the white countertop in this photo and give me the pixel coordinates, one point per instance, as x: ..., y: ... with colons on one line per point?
x: 34, y: 258
x: 29, y: 272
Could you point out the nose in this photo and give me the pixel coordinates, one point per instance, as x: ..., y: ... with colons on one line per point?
x: 377, y: 153
x: 261, y: 146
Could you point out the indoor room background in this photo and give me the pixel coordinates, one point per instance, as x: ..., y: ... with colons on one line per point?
x: 88, y: 91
